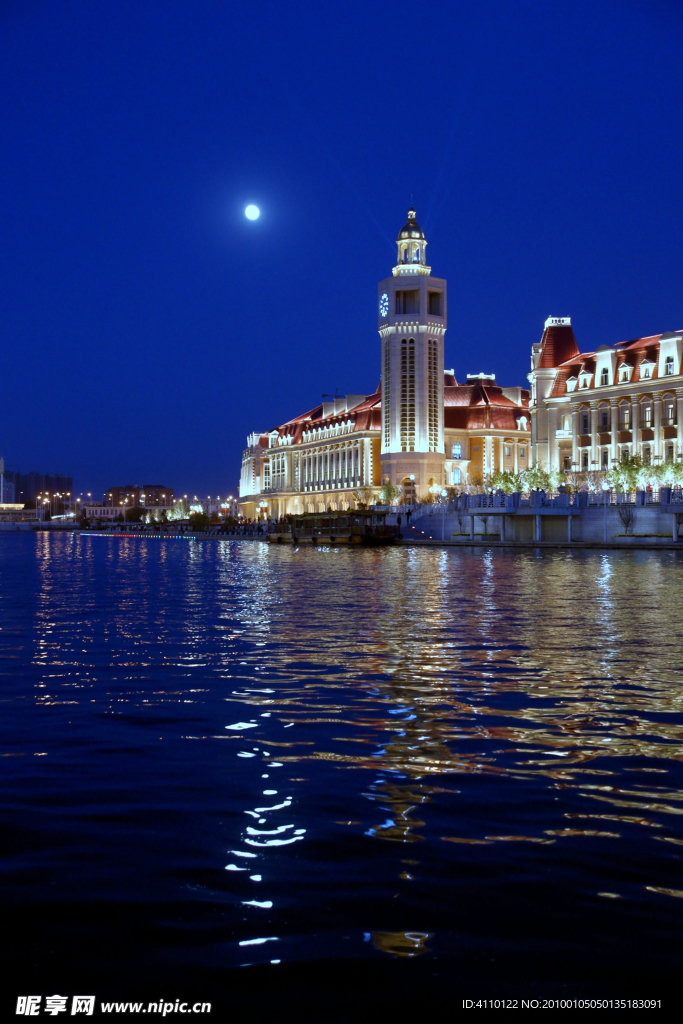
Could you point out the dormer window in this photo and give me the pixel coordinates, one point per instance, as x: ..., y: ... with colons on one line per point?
x: 571, y: 383
x: 584, y: 379
x: 669, y: 366
x: 604, y: 377
x: 625, y: 372
x: 521, y: 423
x: 646, y: 369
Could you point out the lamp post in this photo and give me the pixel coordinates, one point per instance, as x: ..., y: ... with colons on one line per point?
x: 412, y: 489
x: 605, y: 491
x: 444, y: 495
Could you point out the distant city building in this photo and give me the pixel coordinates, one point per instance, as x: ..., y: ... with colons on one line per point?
x: 420, y: 429
x: 142, y: 495
x: 28, y: 486
x: 6, y: 485
x: 589, y: 410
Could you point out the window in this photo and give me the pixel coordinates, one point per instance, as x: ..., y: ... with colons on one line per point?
x: 566, y: 425
x: 669, y: 456
x: 456, y: 476
x: 408, y: 301
x: 522, y: 453
x: 669, y: 415
x: 605, y: 458
x: 604, y: 418
x: 647, y: 415
x: 604, y: 376
x: 584, y: 423
x: 625, y: 373
x: 433, y: 393
x: 386, y: 395
x: 408, y: 395
x: 508, y: 451
x: 669, y: 366
x: 647, y: 454
x: 456, y: 451
x: 567, y: 463
x: 624, y: 453
x: 435, y: 303
x: 646, y: 371
x: 584, y: 461
x: 625, y: 417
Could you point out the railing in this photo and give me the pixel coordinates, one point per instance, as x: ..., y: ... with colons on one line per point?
x: 580, y: 499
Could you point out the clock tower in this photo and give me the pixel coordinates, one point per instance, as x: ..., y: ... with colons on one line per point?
x: 412, y: 325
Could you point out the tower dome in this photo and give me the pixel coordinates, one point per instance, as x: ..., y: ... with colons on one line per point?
x: 412, y: 247
x: 411, y: 229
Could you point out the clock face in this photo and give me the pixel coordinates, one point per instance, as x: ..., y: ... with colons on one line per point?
x: 384, y: 305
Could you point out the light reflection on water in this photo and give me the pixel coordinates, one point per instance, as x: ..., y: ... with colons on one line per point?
x: 325, y: 742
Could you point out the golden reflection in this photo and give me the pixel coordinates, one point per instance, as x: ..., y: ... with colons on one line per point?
x: 410, y: 668
x: 401, y: 943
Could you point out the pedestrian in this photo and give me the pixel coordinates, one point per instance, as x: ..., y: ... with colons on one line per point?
x: 408, y: 515
x: 398, y: 523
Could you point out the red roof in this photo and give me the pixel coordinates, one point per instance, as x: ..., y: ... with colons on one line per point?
x: 633, y: 352
x: 479, y: 405
x: 471, y: 406
x: 558, y: 344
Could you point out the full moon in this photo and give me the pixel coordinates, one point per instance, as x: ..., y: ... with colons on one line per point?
x: 252, y: 212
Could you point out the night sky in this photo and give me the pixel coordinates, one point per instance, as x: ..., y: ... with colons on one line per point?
x: 147, y: 326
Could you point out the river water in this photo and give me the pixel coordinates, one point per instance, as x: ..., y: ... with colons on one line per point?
x: 300, y: 782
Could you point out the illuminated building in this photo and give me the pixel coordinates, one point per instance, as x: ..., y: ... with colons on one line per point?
x: 142, y: 495
x: 419, y: 430
x: 589, y: 410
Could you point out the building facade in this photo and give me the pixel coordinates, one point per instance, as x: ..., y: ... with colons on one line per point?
x: 141, y: 495
x: 419, y: 429
x: 590, y: 410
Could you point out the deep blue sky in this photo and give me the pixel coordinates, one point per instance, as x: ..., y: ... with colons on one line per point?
x: 147, y: 327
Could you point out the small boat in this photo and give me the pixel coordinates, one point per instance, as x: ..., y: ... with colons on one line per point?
x: 352, y: 527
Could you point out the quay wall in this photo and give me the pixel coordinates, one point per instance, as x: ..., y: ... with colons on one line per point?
x: 587, y: 527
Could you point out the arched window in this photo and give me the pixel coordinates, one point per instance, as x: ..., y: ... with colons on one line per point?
x: 416, y: 254
x: 604, y: 376
x: 456, y: 452
x: 669, y: 366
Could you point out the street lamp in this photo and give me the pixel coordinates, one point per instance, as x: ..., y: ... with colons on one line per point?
x: 444, y: 495
x: 605, y: 490
x: 412, y: 489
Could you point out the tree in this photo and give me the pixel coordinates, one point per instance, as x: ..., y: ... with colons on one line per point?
x: 363, y: 496
x: 135, y: 514
x: 536, y: 479
x: 389, y: 494
x: 198, y: 521
x: 506, y: 481
x: 627, y: 514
